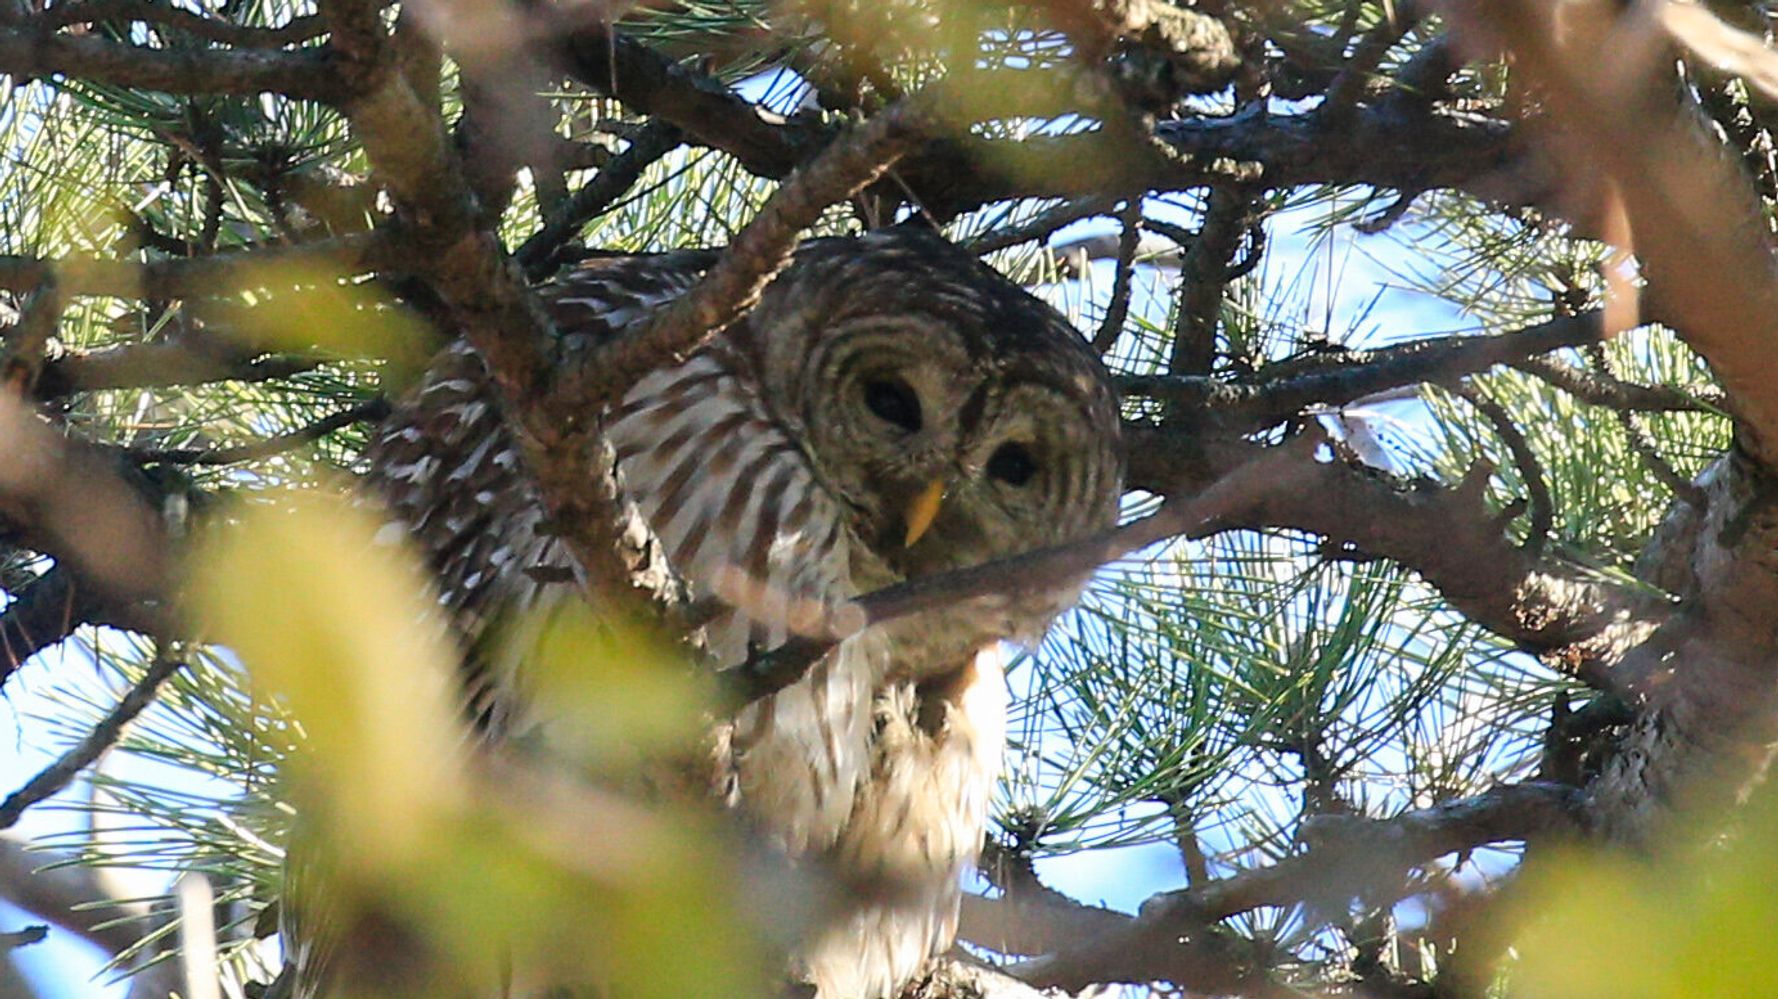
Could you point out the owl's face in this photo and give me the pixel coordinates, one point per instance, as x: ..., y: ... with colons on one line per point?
x: 956, y: 417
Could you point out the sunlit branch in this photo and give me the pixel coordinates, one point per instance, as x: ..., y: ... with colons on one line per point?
x: 73, y: 502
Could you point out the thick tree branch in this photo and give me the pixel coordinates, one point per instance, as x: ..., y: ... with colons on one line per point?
x: 1696, y: 225
x: 1034, y: 572
x: 72, y: 502
x: 767, y: 144
x: 1581, y: 621
x: 488, y: 300
x: 1704, y: 682
x: 1397, y: 143
x: 1203, y: 277
x: 50, y: 609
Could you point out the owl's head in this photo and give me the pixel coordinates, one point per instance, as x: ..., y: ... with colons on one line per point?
x: 958, y: 418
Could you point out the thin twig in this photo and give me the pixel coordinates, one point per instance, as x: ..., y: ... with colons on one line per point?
x: 1640, y: 441
x: 1542, y: 505
x: 14, y: 939
x: 368, y: 411
x: 1602, y: 388
x: 1040, y: 225
x: 104, y: 735
x: 1119, y: 308
x: 647, y: 146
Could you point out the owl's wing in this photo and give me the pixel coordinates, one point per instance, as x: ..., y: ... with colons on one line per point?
x: 448, y: 473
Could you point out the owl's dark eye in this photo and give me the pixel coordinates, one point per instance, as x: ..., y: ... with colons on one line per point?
x: 1012, y: 464
x: 894, y: 402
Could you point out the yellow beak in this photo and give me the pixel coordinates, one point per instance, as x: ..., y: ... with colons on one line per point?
x: 922, y: 511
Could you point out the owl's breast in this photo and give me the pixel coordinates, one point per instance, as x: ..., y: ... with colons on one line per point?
x: 743, y: 519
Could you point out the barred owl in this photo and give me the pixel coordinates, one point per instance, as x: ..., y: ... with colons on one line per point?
x: 891, y: 408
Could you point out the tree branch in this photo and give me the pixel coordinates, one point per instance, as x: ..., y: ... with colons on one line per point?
x: 145, y: 365
x: 298, y: 29
x: 764, y: 247
x: 71, y: 502
x: 194, y: 277
x: 1335, y: 378
x: 50, y: 609
x: 1400, y: 143
x: 307, y: 74
x: 368, y: 411
x: 1603, y: 389
x: 654, y: 141
x: 1345, y: 855
x: 1034, y: 572
x: 104, y: 735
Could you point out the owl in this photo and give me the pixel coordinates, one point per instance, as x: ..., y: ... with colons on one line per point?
x: 891, y: 408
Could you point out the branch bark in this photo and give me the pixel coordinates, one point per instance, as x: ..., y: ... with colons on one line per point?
x: 29, y: 50
x: 1345, y: 855
x: 1282, y: 390
x: 72, y: 502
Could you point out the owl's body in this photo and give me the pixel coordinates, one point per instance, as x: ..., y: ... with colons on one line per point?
x: 891, y: 408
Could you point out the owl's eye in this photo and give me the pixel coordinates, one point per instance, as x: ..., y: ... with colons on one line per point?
x: 1012, y: 464
x: 893, y: 402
